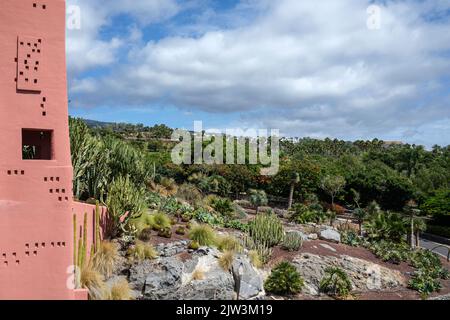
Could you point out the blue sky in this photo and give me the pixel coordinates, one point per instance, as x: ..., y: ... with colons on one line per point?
x: 307, y: 68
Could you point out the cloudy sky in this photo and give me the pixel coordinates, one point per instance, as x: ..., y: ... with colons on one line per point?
x: 308, y: 68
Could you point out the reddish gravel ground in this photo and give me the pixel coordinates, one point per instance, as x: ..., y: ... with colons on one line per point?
x: 314, y: 247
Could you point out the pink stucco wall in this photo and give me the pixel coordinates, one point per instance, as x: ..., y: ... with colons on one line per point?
x: 36, y: 206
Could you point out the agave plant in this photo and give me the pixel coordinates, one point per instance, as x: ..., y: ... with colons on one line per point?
x: 336, y: 282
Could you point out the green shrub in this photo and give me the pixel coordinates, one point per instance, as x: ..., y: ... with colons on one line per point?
x: 202, y: 215
x: 386, y: 226
x: 304, y: 214
x: 284, y: 280
x: 424, y: 282
x: 224, y: 206
x: 390, y: 251
x: 236, y: 224
x: 180, y: 231
x: 194, y: 245
x: 336, y: 282
x: 202, y: 234
x: 145, y: 234
x: 429, y: 271
x: 292, y: 241
x: 350, y: 238
x: 161, y: 221
x: 165, y: 233
x: 267, y: 228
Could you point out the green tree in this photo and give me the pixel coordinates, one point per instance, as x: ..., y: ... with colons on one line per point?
x: 438, y: 204
x: 258, y: 198
x: 333, y: 186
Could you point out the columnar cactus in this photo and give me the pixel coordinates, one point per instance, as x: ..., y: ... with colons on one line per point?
x: 267, y: 228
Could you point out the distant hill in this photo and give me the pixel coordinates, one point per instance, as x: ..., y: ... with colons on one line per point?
x: 94, y: 123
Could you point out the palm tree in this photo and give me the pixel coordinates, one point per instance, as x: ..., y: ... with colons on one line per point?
x: 411, y: 209
x: 258, y: 198
x: 360, y: 214
x: 295, y: 180
x: 419, y: 226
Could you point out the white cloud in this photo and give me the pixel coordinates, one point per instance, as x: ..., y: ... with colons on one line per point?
x: 305, y: 67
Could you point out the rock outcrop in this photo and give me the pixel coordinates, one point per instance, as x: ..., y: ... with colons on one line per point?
x: 364, y: 275
x: 197, y: 278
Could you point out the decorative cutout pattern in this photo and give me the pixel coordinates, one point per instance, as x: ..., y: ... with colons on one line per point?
x: 15, y: 172
x: 39, y: 6
x: 12, y: 258
x: 29, y: 56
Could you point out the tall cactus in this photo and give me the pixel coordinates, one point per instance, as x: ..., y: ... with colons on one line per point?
x: 84, y: 242
x: 97, y: 240
x: 74, y: 239
x: 267, y: 228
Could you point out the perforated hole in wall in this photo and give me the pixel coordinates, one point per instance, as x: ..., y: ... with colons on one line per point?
x: 28, y: 55
x: 9, y: 172
x: 35, y: 253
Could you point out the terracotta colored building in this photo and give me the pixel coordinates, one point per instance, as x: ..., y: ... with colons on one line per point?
x: 36, y: 205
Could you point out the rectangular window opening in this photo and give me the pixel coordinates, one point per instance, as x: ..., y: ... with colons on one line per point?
x: 37, y: 144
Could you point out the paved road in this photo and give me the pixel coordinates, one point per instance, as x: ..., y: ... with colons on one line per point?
x: 427, y: 244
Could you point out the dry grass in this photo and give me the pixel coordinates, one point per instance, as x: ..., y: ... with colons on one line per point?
x: 203, y: 234
x: 255, y: 259
x: 226, y: 260
x: 105, y: 259
x: 93, y: 280
x: 141, y: 251
x: 228, y: 243
x: 120, y: 290
x: 198, y: 274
